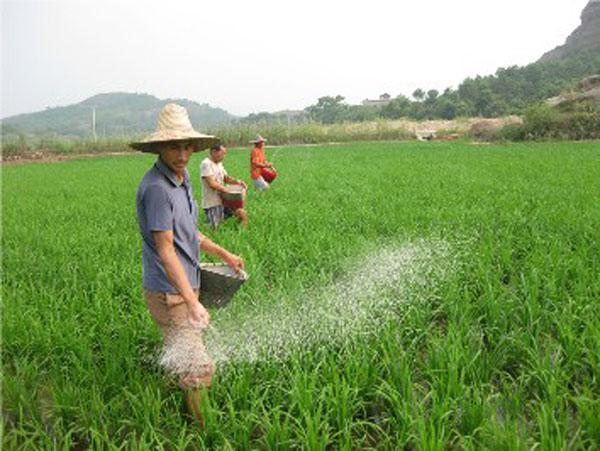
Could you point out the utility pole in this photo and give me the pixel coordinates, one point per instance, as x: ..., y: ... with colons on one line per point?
x: 94, y: 135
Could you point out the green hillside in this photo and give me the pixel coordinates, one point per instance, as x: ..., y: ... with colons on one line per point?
x: 510, y: 91
x: 117, y: 115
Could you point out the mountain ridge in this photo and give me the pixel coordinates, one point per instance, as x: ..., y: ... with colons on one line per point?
x: 116, y: 114
x: 585, y: 36
x: 508, y: 91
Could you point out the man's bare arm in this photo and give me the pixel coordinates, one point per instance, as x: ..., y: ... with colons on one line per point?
x: 214, y: 184
x: 236, y: 263
x: 233, y: 181
x: 264, y: 165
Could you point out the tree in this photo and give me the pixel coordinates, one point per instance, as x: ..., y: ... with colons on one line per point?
x: 432, y: 95
x: 328, y: 109
x: 419, y: 94
x: 397, y: 108
x: 361, y: 113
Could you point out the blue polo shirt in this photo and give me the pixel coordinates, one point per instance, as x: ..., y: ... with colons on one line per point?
x: 163, y: 203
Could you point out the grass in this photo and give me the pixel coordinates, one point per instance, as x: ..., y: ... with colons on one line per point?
x: 277, y: 133
x: 502, y: 353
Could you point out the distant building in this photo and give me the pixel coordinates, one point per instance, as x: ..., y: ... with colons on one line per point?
x: 384, y: 99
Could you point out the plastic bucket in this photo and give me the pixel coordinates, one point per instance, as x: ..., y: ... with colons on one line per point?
x: 268, y: 175
x: 234, y: 197
x: 218, y: 284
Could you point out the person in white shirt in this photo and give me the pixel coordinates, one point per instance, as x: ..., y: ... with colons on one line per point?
x: 214, y: 176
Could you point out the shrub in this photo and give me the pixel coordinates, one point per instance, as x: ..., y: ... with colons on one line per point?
x: 579, y: 125
x: 544, y: 123
x: 540, y: 121
x: 513, y: 132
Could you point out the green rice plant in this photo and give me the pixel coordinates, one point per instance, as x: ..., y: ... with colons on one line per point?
x: 401, y: 295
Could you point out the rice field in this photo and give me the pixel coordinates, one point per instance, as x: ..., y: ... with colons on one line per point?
x: 402, y: 295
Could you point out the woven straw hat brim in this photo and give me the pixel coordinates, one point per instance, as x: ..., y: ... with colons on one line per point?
x: 202, y: 141
x: 174, y: 125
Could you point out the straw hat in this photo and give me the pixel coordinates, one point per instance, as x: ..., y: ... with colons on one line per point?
x: 258, y: 139
x: 174, y: 125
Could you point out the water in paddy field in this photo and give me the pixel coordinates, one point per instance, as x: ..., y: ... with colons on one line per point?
x: 371, y: 294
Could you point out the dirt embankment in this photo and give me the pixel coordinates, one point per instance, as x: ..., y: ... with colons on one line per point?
x: 50, y: 157
x: 460, y: 126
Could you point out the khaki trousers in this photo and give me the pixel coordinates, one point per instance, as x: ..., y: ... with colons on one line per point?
x: 183, y: 349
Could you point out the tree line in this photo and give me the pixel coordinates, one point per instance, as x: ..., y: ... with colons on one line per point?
x: 510, y: 91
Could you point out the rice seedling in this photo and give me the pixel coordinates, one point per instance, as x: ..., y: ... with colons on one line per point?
x: 401, y: 295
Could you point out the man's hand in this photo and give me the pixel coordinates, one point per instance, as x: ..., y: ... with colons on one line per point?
x: 198, y: 315
x: 236, y: 263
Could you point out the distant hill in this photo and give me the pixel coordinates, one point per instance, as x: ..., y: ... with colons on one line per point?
x: 510, y: 91
x: 513, y: 89
x: 586, y: 36
x: 118, y: 114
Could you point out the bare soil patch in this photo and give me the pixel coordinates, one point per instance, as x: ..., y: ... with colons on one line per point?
x: 50, y: 157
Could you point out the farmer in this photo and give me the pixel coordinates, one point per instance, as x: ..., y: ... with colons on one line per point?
x: 258, y: 162
x: 213, y: 176
x: 167, y: 217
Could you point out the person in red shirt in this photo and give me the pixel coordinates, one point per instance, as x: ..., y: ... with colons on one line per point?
x: 258, y: 162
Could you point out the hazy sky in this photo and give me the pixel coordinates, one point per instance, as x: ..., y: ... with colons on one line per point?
x: 265, y: 55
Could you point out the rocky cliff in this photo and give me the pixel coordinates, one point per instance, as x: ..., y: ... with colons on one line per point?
x: 586, y: 36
